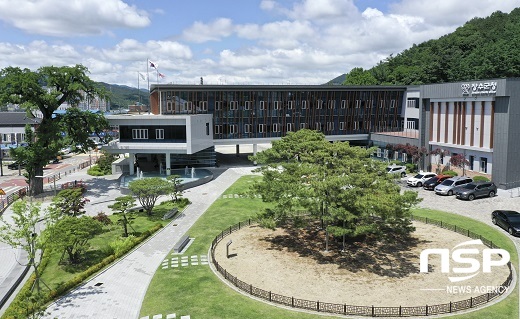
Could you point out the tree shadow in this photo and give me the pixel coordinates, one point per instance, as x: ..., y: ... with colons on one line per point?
x: 394, y: 258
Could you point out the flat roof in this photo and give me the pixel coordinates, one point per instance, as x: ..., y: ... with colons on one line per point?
x: 225, y: 87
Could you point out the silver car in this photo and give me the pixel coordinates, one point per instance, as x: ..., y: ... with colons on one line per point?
x: 447, y: 187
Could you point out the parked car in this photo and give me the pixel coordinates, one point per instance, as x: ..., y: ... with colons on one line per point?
x: 448, y: 186
x: 15, y: 165
x: 396, y: 169
x: 473, y: 190
x: 434, y: 181
x: 419, y: 179
x: 507, y: 219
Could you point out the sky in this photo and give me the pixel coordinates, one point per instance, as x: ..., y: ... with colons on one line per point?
x: 224, y: 41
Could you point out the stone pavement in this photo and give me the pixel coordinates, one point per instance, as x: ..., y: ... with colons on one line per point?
x: 118, y: 291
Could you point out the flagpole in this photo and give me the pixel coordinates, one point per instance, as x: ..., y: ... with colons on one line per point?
x: 157, y: 75
x: 138, y: 89
x: 148, y: 74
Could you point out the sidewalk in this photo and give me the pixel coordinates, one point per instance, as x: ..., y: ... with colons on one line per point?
x: 119, y: 291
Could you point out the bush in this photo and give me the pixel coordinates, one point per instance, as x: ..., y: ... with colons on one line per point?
x: 103, y: 219
x: 479, y: 178
x: 412, y: 168
x: 451, y: 173
x: 122, y: 245
x: 95, y: 171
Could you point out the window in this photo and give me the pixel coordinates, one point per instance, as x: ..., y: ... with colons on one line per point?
x: 319, y: 104
x: 276, y: 127
x: 277, y: 105
x: 330, y: 126
x: 233, y: 105
x: 218, y: 105
x: 343, y: 104
x: 247, y: 128
x: 169, y: 106
x: 290, y: 105
x: 385, y: 154
x: 483, y: 164
x: 290, y: 127
x: 304, y: 105
x: 188, y: 106
x: 140, y: 134
x: 356, y: 125
x: 378, y: 152
x: 248, y: 104
x: 341, y: 126
x: 471, y: 162
x: 261, y: 128
x: 6, y: 137
x: 262, y: 105
x: 392, y: 104
x: 203, y: 105
x: 317, y: 126
x: 382, y: 104
x: 233, y: 129
x: 332, y: 104
x: 404, y: 157
x: 303, y: 126
x: 207, y: 128
x: 358, y: 104
x: 159, y: 134
x: 410, y: 104
x: 218, y: 129
x: 396, y: 156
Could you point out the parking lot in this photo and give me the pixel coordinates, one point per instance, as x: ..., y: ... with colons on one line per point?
x: 479, y: 209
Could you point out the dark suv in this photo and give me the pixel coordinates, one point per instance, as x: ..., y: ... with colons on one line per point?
x: 474, y: 190
x: 434, y: 181
x: 15, y: 165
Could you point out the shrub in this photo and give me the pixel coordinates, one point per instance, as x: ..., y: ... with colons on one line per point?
x: 95, y: 171
x: 479, y: 178
x: 103, y: 219
x: 412, y: 168
x: 451, y: 173
x: 122, y: 245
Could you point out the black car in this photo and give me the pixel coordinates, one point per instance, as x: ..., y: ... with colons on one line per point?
x: 434, y: 181
x: 473, y: 190
x: 507, y: 219
x: 15, y: 165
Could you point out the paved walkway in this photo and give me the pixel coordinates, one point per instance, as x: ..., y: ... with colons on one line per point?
x: 119, y: 291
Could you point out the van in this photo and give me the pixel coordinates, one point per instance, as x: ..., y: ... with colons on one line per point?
x: 447, y: 187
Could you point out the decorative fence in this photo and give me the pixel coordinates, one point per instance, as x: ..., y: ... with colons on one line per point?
x: 11, y: 198
x: 368, y: 311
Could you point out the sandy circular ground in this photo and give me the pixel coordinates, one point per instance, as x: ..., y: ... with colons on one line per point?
x: 381, y: 275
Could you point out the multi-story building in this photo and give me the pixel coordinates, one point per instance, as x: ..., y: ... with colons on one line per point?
x: 186, y: 122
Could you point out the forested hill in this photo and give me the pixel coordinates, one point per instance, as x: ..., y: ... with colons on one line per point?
x: 121, y: 96
x: 483, y: 48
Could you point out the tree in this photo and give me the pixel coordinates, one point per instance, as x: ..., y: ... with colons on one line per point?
x: 69, y: 202
x: 72, y: 235
x: 122, y: 208
x: 45, y: 90
x: 175, y: 187
x: 460, y: 161
x: 358, y: 76
x: 337, y: 184
x: 148, y: 190
x: 23, y: 233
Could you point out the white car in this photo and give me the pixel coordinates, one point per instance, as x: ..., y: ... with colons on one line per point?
x: 419, y: 179
x: 396, y: 169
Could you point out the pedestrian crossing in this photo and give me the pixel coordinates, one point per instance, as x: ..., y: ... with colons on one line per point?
x: 11, y: 189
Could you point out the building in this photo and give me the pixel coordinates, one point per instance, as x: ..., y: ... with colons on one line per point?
x: 186, y: 122
x: 12, y: 130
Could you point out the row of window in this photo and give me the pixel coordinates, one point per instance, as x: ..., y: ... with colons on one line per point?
x: 277, y: 105
x: 289, y: 127
x: 142, y: 134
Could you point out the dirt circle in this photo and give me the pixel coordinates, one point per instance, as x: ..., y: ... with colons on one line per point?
x: 280, y: 262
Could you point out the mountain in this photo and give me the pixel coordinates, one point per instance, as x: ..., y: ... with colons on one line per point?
x: 121, y: 96
x: 483, y: 48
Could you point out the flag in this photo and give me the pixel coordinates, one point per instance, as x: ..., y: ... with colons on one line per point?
x: 153, y: 65
x: 143, y: 77
x: 161, y: 75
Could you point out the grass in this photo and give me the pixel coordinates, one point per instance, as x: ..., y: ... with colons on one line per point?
x: 55, y: 274
x: 196, y: 291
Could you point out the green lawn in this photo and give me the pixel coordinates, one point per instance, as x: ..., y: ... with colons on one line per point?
x: 196, y: 291
x: 55, y: 274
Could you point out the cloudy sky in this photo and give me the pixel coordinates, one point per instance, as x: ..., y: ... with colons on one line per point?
x: 224, y: 41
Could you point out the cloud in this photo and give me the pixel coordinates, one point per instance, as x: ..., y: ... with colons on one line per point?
x: 72, y: 17
x: 201, y: 32
x: 280, y: 34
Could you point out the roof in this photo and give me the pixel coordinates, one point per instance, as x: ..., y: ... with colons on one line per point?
x: 16, y: 119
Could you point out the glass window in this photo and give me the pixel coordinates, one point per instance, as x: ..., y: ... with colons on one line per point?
x: 159, y: 134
